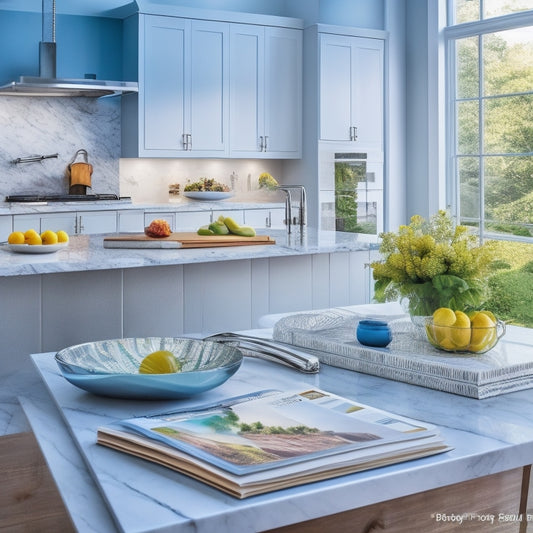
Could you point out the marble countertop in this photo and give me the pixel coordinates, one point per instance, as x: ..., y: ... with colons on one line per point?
x: 86, y: 252
x: 487, y: 436
x: 183, y: 205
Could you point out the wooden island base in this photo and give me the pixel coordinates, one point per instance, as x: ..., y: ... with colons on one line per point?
x: 30, y: 502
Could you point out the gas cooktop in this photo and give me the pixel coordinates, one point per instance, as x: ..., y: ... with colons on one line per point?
x: 62, y: 197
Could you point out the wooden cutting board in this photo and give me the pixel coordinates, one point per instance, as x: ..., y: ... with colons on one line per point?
x: 182, y: 240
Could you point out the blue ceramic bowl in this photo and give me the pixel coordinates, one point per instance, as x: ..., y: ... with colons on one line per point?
x: 374, y: 333
x: 111, y: 367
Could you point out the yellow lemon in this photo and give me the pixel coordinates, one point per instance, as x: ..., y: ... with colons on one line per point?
x: 461, y: 332
x: 442, y: 319
x: 32, y: 237
x: 17, y: 237
x: 160, y: 362
x: 483, y: 330
x: 444, y: 316
x: 49, y: 237
x: 62, y: 236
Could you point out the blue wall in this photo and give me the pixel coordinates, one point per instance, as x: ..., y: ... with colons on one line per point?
x: 84, y: 45
x: 94, y: 44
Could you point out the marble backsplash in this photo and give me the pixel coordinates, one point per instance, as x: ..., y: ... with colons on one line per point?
x: 32, y: 126
x: 35, y: 126
x: 148, y: 180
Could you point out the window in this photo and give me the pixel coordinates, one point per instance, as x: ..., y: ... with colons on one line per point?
x: 489, y: 72
x: 490, y: 98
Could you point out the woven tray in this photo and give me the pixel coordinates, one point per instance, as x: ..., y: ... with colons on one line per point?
x: 410, y: 358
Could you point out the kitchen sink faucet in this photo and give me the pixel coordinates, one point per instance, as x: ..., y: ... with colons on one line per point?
x: 288, y: 205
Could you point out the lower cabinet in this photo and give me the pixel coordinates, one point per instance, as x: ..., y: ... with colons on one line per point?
x: 6, y: 226
x: 73, y: 223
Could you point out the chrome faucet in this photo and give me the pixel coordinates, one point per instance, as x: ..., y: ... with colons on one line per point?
x: 288, y: 205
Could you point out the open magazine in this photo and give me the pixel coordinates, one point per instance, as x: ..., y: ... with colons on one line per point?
x: 271, y: 439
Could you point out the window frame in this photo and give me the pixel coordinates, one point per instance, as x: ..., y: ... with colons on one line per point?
x: 450, y: 35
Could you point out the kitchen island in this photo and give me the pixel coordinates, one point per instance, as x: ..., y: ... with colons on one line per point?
x: 87, y: 292
x: 480, y: 485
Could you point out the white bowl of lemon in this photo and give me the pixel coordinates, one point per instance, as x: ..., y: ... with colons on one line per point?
x: 31, y: 242
x: 455, y: 331
x: 149, y: 368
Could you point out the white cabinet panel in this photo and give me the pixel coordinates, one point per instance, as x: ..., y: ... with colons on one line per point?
x: 257, y: 218
x: 163, y: 92
x: 59, y: 221
x: 97, y: 222
x: 182, y: 106
x: 283, y: 92
x: 81, y: 308
x: 247, y: 89
x: 130, y: 221
x: 265, y: 92
x: 351, y: 89
x: 26, y: 222
x: 6, y: 226
x: 153, y: 302
x: 192, y: 220
x: 209, y: 88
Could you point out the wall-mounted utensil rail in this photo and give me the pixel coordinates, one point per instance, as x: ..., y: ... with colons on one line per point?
x: 33, y: 158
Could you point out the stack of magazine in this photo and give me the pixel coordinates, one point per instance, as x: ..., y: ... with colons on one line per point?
x: 270, y: 440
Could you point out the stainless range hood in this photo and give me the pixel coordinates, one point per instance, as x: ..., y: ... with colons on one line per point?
x: 41, y: 86
x: 46, y: 84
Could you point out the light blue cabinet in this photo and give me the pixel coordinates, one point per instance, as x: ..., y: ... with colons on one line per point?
x: 211, y: 88
x: 265, y: 91
x: 182, y: 105
x: 351, y: 89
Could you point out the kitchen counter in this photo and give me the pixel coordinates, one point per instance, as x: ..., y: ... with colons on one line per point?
x: 86, y: 253
x: 488, y: 437
x: 183, y: 205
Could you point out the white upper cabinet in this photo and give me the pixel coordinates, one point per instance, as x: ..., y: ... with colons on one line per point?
x: 209, y: 88
x: 351, y: 89
x: 265, y: 91
x: 163, y: 91
x: 183, y: 94
x: 212, y: 88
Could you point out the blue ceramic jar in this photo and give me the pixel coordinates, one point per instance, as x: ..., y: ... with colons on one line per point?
x: 373, y: 333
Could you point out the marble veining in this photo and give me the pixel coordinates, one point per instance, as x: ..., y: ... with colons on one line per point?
x: 86, y: 252
x: 146, y: 497
x: 43, y: 126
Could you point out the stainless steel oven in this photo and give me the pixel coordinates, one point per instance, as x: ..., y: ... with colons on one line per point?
x: 351, y: 189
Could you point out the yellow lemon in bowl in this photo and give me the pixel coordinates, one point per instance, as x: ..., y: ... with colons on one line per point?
x: 32, y: 237
x: 160, y: 362
x: 16, y: 237
x: 62, y: 236
x: 450, y: 329
x: 49, y: 237
x: 483, y: 330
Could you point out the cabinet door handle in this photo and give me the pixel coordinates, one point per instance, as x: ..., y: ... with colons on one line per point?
x: 266, y: 143
x: 80, y: 226
x: 189, y: 141
x: 353, y: 133
x: 184, y: 141
x: 261, y: 143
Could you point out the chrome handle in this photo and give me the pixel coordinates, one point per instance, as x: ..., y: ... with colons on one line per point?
x: 261, y: 145
x: 266, y: 143
x: 353, y: 133
x: 80, y: 226
x: 186, y: 139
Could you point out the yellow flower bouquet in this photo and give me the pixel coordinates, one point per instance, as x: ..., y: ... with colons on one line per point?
x: 433, y: 264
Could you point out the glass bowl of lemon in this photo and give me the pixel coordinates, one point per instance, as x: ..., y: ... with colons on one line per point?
x: 149, y: 368
x: 476, y: 332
